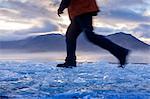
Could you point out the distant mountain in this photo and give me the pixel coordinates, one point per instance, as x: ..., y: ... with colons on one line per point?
x: 56, y: 42
x: 50, y: 42
x: 128, y: 41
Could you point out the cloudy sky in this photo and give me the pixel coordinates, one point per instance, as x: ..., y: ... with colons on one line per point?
x: 22, y: 18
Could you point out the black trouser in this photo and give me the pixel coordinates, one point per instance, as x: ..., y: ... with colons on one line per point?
x: 83, y: 23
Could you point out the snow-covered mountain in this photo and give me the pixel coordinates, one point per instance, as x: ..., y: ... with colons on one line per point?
x: 56, y: 42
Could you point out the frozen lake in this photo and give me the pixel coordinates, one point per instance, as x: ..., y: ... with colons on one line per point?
x: 90, y: 80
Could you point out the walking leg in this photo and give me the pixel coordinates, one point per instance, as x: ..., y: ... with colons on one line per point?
x: 72, y: 34
x: 119, y: 52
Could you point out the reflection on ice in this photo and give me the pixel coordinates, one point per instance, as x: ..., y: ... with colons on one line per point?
x: 32, y: 79
x: 134, y: 57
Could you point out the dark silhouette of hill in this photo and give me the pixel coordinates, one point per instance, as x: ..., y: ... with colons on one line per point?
x: 50, y: 42
x: 128, y: 41
x: 56, y: 42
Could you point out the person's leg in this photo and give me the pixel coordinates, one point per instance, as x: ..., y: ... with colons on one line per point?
x: 72, y: 34
x: 119, y: 52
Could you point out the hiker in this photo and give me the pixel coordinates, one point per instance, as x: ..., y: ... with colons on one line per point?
x: 81, y: 13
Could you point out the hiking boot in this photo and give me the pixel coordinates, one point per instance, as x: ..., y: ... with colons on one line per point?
x: 67, y: 65
x: 122, y: 57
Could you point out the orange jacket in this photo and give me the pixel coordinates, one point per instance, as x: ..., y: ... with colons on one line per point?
x: 78, y: 7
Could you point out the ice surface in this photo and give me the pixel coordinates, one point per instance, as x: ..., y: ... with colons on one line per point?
x: 98, y: 80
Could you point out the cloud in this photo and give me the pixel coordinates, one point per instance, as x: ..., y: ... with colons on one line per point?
x: 45, y: 26
x: 111, y: 4
x: 28, y: 9
x: 119, y: 15
x: 103, y: 30
x: 38, y: 16
x: 143, y: 30
x: 125, y: 15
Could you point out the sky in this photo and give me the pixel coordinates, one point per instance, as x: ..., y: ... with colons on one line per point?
x: 23, y: 18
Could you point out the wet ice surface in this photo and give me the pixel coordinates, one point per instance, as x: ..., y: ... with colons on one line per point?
x: 100, y: 80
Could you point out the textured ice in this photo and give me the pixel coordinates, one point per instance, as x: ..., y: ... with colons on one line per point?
x: 98, y: 80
